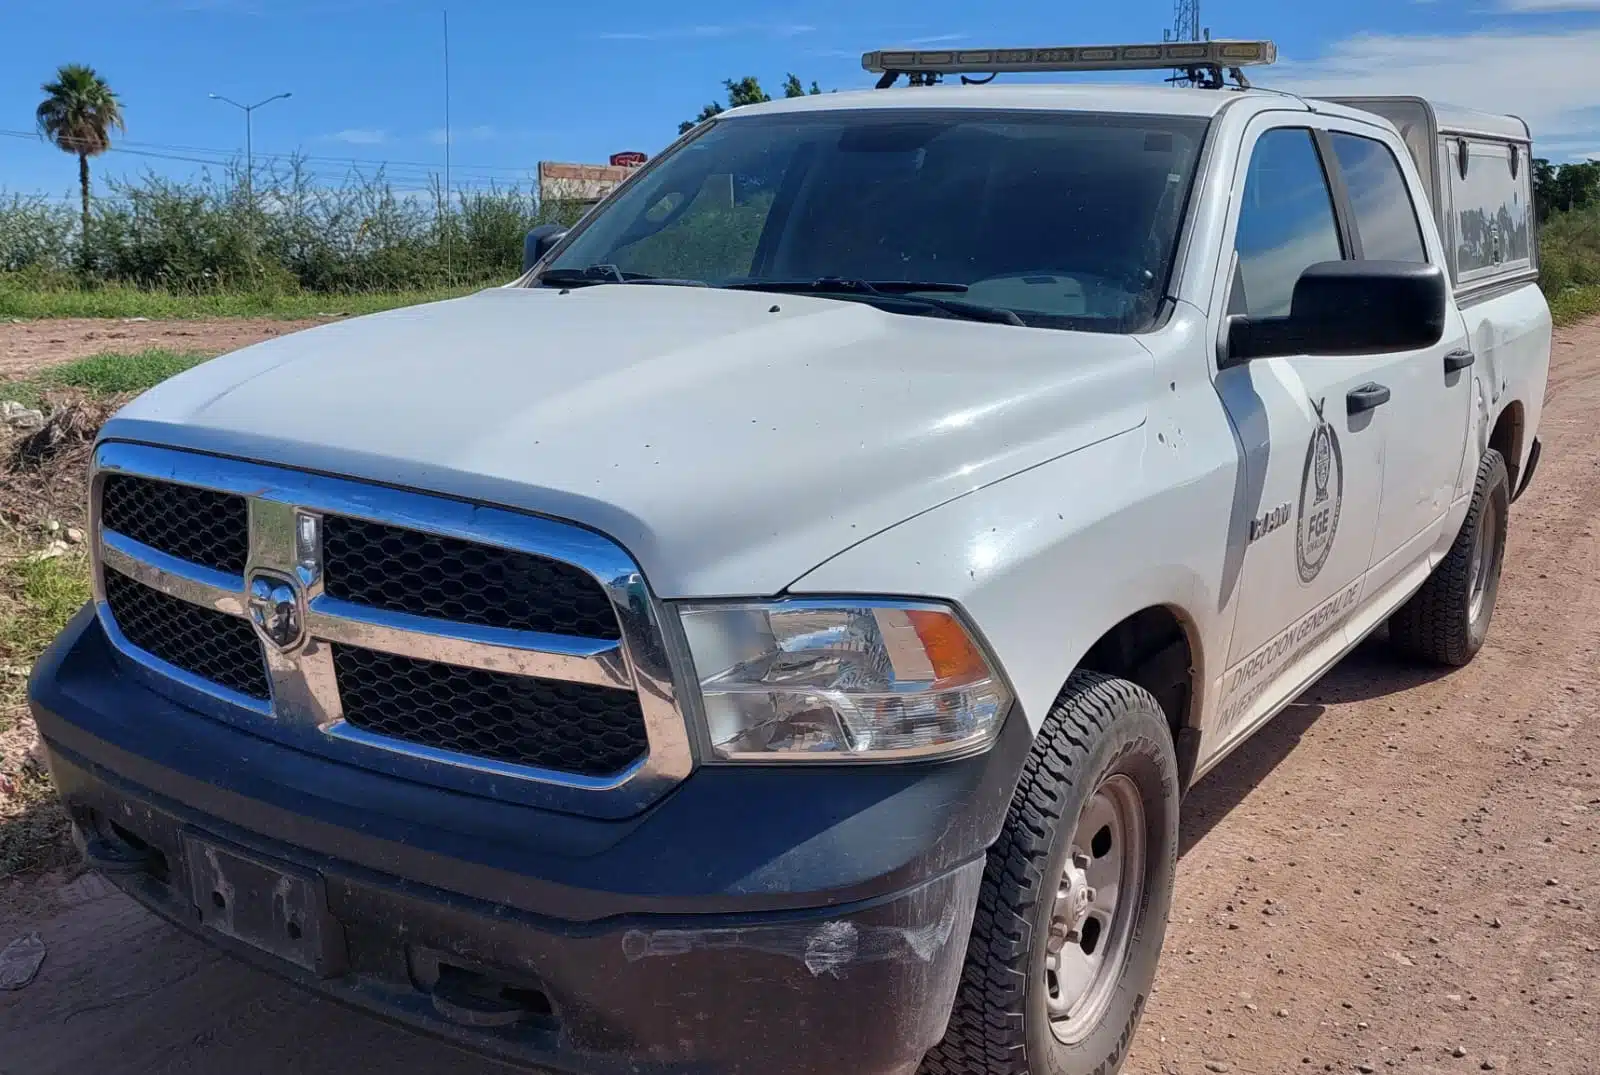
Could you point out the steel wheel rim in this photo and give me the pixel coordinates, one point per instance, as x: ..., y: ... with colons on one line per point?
x: 1096, y: 907
x: 1483, y: 560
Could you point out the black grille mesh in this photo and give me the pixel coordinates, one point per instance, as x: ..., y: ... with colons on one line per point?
x: 568, y: 727
x: 210, y: 644
x: 402, y: 570
x: 198, y: 525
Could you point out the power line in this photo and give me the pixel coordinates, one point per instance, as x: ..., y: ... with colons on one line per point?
x: 226, y: 156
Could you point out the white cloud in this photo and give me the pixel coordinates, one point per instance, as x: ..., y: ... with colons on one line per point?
x: 1552, y: 80
x: 360, y: 136
x: 1531, y: 6
x: 937, y: 39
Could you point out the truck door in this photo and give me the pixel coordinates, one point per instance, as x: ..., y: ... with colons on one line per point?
x: 1431, y: 388
x: 1311, y: 431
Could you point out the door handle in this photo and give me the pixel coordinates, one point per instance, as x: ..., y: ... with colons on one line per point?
x: 1459, y: 359
x: 1365, y: 398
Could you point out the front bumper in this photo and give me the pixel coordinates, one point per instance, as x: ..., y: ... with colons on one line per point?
x: 754, y: 920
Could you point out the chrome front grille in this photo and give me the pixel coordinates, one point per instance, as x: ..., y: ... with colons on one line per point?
x: 424, y: 636
x: 402, y: 570
x: 567, y: 727
x: 212, y: 645
x: 199, y: 525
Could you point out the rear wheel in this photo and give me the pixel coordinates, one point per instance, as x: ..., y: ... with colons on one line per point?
x: 1075, y: 895
x: 1447, y: 620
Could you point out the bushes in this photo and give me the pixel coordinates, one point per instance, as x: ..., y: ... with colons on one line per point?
x: 36, y: 235
x: 294, y: 233
x: 1569, y: 251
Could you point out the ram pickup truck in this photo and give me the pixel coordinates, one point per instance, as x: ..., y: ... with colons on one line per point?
x: 776, y: 633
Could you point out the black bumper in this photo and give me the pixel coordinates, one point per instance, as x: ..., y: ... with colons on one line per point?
x: 754, y: 920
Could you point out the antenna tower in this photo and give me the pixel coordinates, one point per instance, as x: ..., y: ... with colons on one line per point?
x: 1185, y: 21
x: 1185, y: 27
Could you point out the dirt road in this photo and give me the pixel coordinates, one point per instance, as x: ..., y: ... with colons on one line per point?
x: 1403, y: 866
x: 27, y: 346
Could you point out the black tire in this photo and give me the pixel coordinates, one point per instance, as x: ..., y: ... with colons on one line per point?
x: 1440, y: 624
x: 1100, y: 727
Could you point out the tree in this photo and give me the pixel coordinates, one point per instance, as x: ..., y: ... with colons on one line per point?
x: 76, y: 116
x: 745, y: 91
x: 1544, y: 178
x: 792, y: 87
x: 1577, y: 186
x: 1563, y: 188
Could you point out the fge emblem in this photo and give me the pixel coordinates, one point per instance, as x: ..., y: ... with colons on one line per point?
x: 1321, y: 491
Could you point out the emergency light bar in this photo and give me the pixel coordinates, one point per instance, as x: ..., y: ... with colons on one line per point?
x: 1176, y: 54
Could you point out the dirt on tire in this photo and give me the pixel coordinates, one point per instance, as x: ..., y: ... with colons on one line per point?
x: 1400, y: 873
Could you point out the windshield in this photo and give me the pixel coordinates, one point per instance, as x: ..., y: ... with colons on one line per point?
x: 1066, y: 220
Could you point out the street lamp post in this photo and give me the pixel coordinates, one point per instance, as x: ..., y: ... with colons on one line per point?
x: 249, y: 149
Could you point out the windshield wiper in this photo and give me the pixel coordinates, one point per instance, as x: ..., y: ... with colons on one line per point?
x: 906, y: 292
x: 840, y: 283
x: 590, y: 275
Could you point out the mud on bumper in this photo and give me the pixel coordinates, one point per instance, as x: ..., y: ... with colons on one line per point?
x: 862, y: 980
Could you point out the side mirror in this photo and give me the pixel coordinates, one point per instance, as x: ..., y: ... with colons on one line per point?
x: 539, y: 242
x: 1349, y: 308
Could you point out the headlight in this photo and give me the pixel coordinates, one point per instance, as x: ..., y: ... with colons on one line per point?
x: 840, y: 681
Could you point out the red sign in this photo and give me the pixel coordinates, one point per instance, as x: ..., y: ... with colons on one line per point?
x: 631, y: 158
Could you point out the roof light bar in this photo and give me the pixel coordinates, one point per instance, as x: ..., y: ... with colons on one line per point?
x: 1215, y: 54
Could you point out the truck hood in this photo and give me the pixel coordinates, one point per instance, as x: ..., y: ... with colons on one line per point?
x: 730, y: 440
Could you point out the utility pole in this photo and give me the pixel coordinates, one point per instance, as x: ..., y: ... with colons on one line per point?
x: 249, y: 148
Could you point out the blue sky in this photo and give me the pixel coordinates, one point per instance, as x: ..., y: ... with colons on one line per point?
x: 538, y: 80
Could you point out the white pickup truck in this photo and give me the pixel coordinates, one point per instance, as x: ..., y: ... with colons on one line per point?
x: 776, y: 633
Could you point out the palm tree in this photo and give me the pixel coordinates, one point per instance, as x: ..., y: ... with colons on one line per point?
x: 77, y: 115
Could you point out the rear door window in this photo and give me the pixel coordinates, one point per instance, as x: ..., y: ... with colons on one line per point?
x: 1385, y: 217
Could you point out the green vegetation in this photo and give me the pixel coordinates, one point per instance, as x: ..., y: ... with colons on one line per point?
x: 1575, y: 304
x: 37, y: 598
x: 41, y: 595
x: 39, y: 592
x: 1567, y: 200
x: 109, y: 373
x: 291, y: 236
x: 28, y: 297
x: 1561, y: 188
x: 1569, y: 262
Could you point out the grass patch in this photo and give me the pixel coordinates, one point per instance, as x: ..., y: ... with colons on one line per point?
x: 42, y: 596
x: 1575, y: 304
x: 37, y: 598
x: 109, y: 373
x: 112, y: 372
x: 114, y: 300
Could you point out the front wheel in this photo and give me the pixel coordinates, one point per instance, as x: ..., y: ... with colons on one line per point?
x: 1447, y: 620
x: 1075, y: 894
